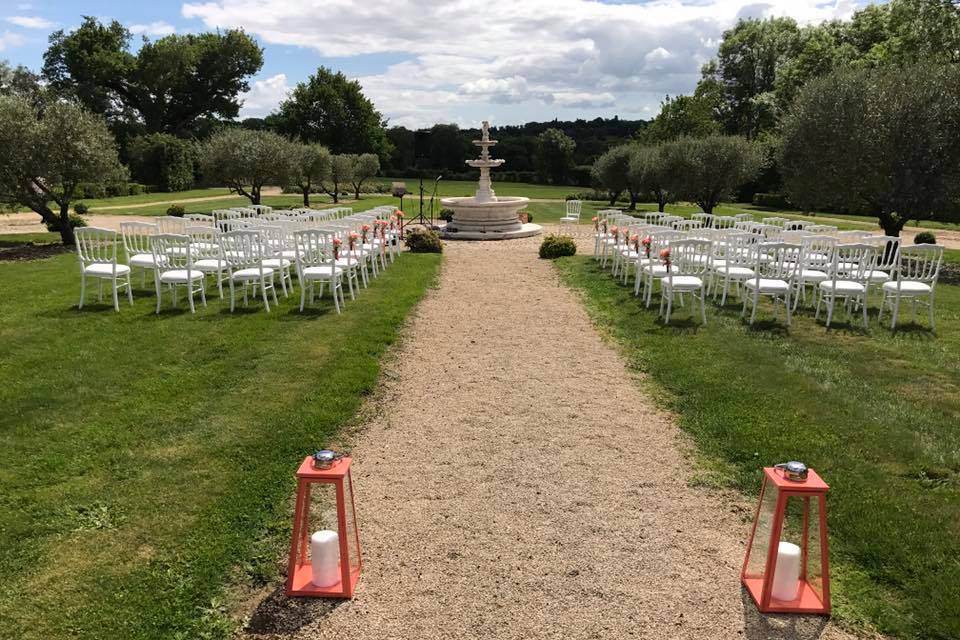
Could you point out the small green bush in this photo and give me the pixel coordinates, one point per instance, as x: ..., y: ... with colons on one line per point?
x: 135, y: 188
x: 81, y: 208
x: 446, y: 214
x: 556, y: 246
x: 75, y: 221
x: 422, y: 240
x: 925, y: 237
x: 176, y: 211
x: 773, y: 200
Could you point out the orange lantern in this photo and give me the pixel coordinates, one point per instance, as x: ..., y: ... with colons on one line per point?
x: 325, y: 563
x: 786, y: 569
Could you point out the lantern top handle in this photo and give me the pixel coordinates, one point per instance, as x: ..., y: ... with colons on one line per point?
x: 338, y: 469
x: 813, y: 484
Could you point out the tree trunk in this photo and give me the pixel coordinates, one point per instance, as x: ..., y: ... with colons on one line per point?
x: 892, y: 225
x: 633, y: 201
x: 306, y: 197
x: 707, y: 207
x: 336, y: 193
x: 613, y: 197
x: 255, y: 195
x: 66, y: 230
x: 661, y: 202
x: 357, y: 194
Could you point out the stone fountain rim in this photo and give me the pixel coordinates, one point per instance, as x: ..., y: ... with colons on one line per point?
x: 471, y: 201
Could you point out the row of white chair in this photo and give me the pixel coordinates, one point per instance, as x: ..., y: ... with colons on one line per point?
x: 698, y: 260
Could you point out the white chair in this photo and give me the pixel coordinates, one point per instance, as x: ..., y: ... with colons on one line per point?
x: 174, y: 257
x: 816, y: 260
x: 274, y: 244
x: 685, y: 273
x: 172, y: 224
x: 688, y: 225
x: 199, y: 220
x: 243, y: 251
x: 136, y: 244
x: 822, y: 229
x: 706, y: 219
x: 723, y: 222
x: 773, y: 277
x: 572, y: 214
x: 848, y: 280
x: 651, y: 269
x: 740, y: 217
x: 915, y: 277
x: 97, y: 255
x: 885, y: 260
x: 852, y: 237
x: 737, y: 266
x: 261, y: 209
x: 317, y: 262
x: 207, y: 257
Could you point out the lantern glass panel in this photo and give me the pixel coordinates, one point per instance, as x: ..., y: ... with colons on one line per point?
x: 322, y: 511
x: 351, y: 531
x: 814, y: 564
x: 757, y: 554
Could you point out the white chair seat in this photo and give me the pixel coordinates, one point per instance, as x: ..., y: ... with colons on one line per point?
x: 251, y: 273
x: 875, y: 276
x: 210, y: 264
x: 145, y: 260
x: 180, y: 276
x: 736, y: 272
x: 630, y: 254
x: 321, y: 272
x: 719, y: 264
x: 569, y: 219
x: 276, y: 263
x: 657, y: 269
x: 105, y: 270
x: 683, y: 283
x: 767, y: 285
x: 842, y: 286
x: 908, y: 287
x: 812, y: 275
x: 343, y: 263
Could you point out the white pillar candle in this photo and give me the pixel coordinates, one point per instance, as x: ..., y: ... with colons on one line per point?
x: 325, y: 558
x: 786, y: 579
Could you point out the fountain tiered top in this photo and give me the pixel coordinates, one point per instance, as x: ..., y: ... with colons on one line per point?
x: 485, y: 191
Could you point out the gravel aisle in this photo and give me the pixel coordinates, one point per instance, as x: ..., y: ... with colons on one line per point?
x: 519, y: 484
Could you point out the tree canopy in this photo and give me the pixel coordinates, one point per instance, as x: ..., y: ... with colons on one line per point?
x: 311, y: 166
x: 171, y: 85
x: 245, y: 160
x: 878, y: 141
x: 554, y: 155
x: 707, y: 170
x: 45, y: 155
x: 331, y: 109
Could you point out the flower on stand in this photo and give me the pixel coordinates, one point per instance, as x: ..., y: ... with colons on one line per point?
x: 596, y: 223
x: 336, y: 248
x: 398, y: 214
x: 635, y: 241
x: 604, y: 225
x: 646, y: 245
x: 665, y: 257
x: 626, y: 234
x: 364, y: 230
x: 352, y: 240
x: 614, y: 230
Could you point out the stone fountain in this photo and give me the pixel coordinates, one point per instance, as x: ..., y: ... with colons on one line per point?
x: 486, y: 216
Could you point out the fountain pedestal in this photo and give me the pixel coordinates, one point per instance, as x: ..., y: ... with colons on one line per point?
x: 485, y: 216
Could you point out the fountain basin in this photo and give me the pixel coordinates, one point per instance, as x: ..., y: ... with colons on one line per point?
x: 495, y: 219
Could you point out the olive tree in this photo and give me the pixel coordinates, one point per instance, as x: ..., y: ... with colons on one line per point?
x: 46, y: 155
x: 612, y: 171
x: 880, y: 142
x: 245, y: 161
x: 339, y: 176
x: 365, y: 166
x: 554, y: 155
x: 647, y: 173
x: 707, y: 170
x: 310, y: 168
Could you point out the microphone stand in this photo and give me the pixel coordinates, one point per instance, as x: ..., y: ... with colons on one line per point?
x: 436, y: 185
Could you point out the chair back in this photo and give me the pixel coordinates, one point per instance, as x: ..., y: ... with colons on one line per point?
x: 822, y: 229
x: 817, y: 252
x: 205, y: 241
x: 794, y: 236
x: 852, y: 261
x: 96, y: 245
x: 198, y: 219
x: 315, y: 248
x: 688, y: 225
x: 689, y: 257
x: 274, y: 238
x: 741, y: 249
x: 777, y: 260
x: 920, y: 263
x: 796, y: 225
x: 888, y: 248
x: 573, y: 208
x: 172, y: 251
x: 741, y: 217
x: 241, y: 248
x: 705, y: 218
x: 723, y: 222
x: 775, y: 221
x: 670, y: 221
x: 261, y: 209
x: 225, y: 214
x: 172, y: 224
x: 136, y: 237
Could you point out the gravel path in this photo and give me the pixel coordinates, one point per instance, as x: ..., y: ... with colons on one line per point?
x: 516, y: 482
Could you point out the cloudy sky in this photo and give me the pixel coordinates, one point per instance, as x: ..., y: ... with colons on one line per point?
x: 509, y: 61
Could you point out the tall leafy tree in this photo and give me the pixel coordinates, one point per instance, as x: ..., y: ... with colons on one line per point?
x: 878, y: 141
x: 246, y: 161
x: 647, y: 171
x: 554, y: 155
x: 681, y: 116
x: 707, y: 170
x: 171, y: 85
x: 331, y: 109
x: 365, y: 166
x: 46, y: 155
x: 611, y: 171
x: 339, y: 177
x: 311, y: 167
x: 447, y: 147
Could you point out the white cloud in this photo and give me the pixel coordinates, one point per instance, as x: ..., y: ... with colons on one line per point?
x: 264, y: 96
x: 158, y: 28
x: 551, y: 58
x: 30, y: 22
x: 9, y: 39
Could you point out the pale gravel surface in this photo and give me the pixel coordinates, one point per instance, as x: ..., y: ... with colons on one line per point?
x: 514, y: 481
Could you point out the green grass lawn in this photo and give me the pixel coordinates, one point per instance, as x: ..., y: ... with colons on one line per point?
x: 158, y: 196
x: 875, y: 413
x: 147, y: 461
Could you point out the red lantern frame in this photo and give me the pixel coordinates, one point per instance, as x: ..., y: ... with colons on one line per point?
x: 761, y: 588
x: 299, y: 569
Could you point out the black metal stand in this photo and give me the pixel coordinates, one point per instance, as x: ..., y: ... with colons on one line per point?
x: 421, y: 218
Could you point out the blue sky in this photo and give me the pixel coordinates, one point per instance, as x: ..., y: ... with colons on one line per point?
x: 430, y: 61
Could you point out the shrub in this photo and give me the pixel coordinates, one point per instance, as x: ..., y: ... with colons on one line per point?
x: 91, y: 191
x: 75, y: 221
x: 446, y: 214
x: 555, y: 246
x: 135, y: 188
x: 421, y: 240
x: 117, y: 189
x: 773, y: 200
x: 164, y: 160
x: 176, y: 211
x: 81, y: 208
x: 925, y: 237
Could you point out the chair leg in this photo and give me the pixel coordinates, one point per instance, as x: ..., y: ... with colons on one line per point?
x: 116, y: 298
x: 203, y: 291
x: 933, y: 324
x: 83, y: 289
x: 334, y: 286
x: 756, y: 303
x: 303, y: 294
x: 703, y: 306
x: 233, y: 295
x: 273, y: 287
x: 190, y: 293
x: 263, y: 292
x: 831, y: 301
x: 896, y: 312
x: 129, y: 290
x: 351, y: 274
x: 865, y: 320
x: 786, y: 303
